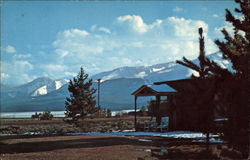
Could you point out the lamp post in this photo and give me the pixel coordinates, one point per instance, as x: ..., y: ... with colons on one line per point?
x: 98, y: 92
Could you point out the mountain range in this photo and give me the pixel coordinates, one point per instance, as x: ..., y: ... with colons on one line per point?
x: 115, y: 91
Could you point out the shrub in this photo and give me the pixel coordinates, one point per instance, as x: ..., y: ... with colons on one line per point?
x: 46, y: 115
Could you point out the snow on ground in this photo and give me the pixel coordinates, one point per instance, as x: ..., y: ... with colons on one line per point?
x: 174, y: 134
x: 197, y: 136
x: 211, y: 140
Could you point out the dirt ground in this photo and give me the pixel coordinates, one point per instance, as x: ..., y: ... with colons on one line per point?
x: 107, y: 148
x: 73, y: 147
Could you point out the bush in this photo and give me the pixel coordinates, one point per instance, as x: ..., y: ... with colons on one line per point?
x: 46, y: 115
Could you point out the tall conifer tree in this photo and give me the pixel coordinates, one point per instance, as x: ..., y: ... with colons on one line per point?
x: 81, y: 101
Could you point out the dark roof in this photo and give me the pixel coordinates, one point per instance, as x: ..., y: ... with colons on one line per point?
x: 154, y: 90
x: 162, y: 88
x: 187, y: 85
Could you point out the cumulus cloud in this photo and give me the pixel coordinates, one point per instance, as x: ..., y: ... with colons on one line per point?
x: 135, y: 23
x: 17, y: 71
x: 4, y: 76
x: 228, y: 26
x: 132, y: 42
x: 70, y: 74
x: 55, y: 67
x: 105, y: 30
x: 129, y: 41
x: 22, y: 56
x: 10, y: 49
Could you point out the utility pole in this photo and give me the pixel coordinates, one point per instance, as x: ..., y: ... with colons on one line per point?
x: 98, y: 96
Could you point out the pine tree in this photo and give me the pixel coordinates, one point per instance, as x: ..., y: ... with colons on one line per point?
x: 81, y: 102
x: 231, y: 88
x: 236, y: 48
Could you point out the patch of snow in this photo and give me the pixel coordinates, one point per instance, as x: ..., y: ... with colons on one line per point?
x: 145, y: 140
x: 183, y: 134
x: 157, y: 69
x: 190, y: 72
x: 220, y: 63
x: 58, y: 84
x: 175, y: 134
x: 172, y: 64
x: 225, y: 62
x: 114, y: 113
x: 40, y: 91
x: 66, y: 80
x: 165, y: 71
x: 212, y: 140
x: 220, y: 119
x: 141, y: 75
x: 110, y: 76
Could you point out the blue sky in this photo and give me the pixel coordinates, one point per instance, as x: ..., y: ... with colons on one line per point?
x: 55, y: 38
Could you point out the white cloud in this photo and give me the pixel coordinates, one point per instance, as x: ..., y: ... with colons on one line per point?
x: 94, y: 28
x: 215, y: 15
x: 62, y: 53
x: 135, y: 22
x: 106, y: 30
x: 132, y: 42
x: 75, y: 33
x: 70, y: 74
x: 55, y: 67
x: 229, y: 28
x: 17, y: 71
x: 4, y: 76
x: 10, y: 49
x: 129, y: 41
x: 22, y: 56
x: 24, y: 65
x: 187, y: 28
x: 177, y: 9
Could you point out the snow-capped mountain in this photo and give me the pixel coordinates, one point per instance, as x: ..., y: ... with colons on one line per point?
x: 39, y: 86
x: 49, y: 87
x: 116, y: 87
x: 144, y: 72
x: 158, y: 72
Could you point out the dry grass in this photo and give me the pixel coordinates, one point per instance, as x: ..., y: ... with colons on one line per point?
x: 58, y: 126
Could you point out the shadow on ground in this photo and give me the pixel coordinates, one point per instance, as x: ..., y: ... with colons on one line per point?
x: 44, y: 146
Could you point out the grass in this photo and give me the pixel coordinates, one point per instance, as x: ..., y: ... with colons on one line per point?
x: 58, y: 126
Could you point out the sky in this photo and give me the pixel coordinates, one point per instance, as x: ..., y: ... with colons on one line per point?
x: 55, y: 38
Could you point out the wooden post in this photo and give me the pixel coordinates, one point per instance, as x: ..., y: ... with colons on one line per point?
x: 158, y: 117
x: 135, y: 112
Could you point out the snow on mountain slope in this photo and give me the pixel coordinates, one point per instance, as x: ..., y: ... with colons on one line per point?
x: 49, y: 87
x: 158, y: 72
x: 37, y: 87
x: 116, y: 86
x: 40, y: 91
x: 152, y: 73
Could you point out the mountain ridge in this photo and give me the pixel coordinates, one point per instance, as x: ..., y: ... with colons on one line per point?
x: 116, y: 87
